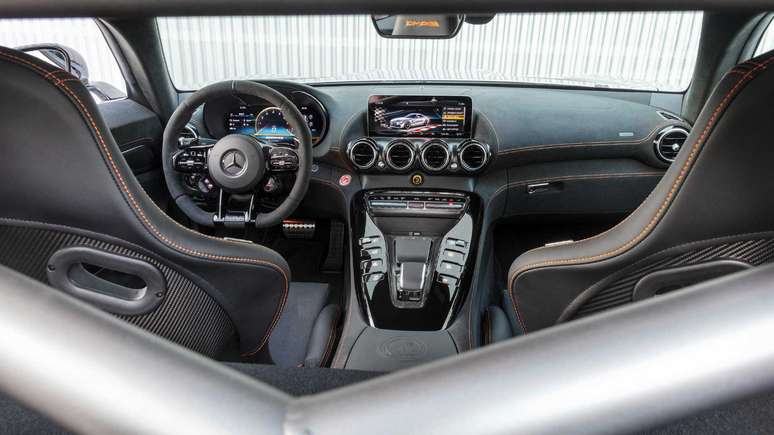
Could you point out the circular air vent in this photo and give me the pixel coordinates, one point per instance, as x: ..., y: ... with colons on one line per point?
x: 399, y: 154
x: 473, y: 155
x: 669, y: 142
x: 363, y: 153
x: 435, y: 155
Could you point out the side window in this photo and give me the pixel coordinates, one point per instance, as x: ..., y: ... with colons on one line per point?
x: 79, y: 34
x: 767, y: 40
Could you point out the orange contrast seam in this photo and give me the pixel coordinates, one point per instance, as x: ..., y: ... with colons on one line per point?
x: 580, y: 144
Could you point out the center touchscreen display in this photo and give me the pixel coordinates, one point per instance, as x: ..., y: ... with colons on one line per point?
x: 419, y: 116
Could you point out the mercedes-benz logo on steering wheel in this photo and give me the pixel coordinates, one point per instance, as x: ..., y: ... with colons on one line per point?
x: 233, y: 163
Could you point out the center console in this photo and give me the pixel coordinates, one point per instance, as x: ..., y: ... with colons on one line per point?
x: 414, y: 250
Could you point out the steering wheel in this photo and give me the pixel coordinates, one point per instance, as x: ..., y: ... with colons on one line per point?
x: 240, y: 166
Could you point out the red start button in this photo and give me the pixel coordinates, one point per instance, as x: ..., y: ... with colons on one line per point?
x: 345, y: 179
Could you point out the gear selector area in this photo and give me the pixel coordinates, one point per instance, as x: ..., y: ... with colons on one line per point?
x: 411, y: 266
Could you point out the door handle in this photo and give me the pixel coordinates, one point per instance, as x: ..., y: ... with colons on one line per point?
x: 70, y: 270
x: 666, y: 280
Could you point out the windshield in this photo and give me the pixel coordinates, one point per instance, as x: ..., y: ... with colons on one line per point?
x: 648, y: 51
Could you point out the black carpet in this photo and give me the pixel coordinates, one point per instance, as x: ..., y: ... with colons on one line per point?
x: 750, y: 417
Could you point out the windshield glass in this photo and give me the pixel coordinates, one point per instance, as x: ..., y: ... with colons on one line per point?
x: 649, y: 51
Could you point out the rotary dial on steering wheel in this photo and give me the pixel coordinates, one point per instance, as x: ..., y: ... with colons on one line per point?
x: 242, y: 168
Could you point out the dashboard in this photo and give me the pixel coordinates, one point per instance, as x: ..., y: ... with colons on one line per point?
x: 455, y: 135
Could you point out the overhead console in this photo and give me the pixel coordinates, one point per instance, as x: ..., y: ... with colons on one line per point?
x: 410, y: 132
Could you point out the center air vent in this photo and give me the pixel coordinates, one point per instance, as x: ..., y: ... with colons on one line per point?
x: 400, y: 154
x: 669, y: 142
x: 473, y: 155
x: 363, y: 153
x: 435, y: 155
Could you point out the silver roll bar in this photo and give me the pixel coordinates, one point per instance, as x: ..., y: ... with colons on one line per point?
x: 626, y: 370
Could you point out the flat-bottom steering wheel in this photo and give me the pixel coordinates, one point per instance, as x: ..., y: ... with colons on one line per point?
x: 239, y: 165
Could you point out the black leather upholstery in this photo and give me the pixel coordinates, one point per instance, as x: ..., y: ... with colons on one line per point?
x: 61, y: 166
x: 496, y: 326
x: 307, y: 327
x: 718, y: 192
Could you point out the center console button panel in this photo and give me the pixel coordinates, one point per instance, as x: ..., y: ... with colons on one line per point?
x: 420, y: 204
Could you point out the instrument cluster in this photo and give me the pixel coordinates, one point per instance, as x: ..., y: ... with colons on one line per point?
x: 258, y: 118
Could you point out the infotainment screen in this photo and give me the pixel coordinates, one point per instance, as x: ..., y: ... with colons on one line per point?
x: 419, y: 116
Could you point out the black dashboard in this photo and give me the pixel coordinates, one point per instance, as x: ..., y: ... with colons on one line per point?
x: 457, y: 130
x: 468, y: 137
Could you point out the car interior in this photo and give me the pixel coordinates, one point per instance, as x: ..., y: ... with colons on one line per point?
x: 345, y: 200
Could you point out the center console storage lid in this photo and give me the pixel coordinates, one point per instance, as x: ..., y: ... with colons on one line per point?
x: 387, y: 350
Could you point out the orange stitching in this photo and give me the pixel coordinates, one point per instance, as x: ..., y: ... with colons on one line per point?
x: 572, y: 178
x: 331, y: 339
x: 664, y: 205
x: 49, y: 75
x: 580, y: 144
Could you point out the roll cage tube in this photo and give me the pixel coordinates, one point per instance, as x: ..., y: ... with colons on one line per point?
x: 648, y: 363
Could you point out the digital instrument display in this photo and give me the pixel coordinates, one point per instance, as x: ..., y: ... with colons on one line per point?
x: 419, y: 116
x: 269, y: 124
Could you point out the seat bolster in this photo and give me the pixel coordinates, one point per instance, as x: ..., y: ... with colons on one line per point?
x: 496, y: 326
x: 296, y: 329
x: 321, y: 342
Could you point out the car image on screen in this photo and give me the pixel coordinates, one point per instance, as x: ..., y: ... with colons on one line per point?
x: 409, y: 121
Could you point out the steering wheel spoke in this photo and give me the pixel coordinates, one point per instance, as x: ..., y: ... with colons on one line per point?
x: 232, y: 218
